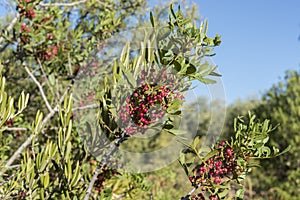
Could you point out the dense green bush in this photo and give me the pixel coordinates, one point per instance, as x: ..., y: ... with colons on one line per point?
x: 280, y: 177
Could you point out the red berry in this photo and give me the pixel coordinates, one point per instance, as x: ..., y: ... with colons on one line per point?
x: 229, y: 152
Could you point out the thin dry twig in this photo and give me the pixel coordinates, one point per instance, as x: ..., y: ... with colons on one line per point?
x: 40, y: 88
x: 187, y: 197
x: 91, y: 106
x: 73, y: 4
x: 63, y: 4
x: 10, y: 26
x: 92, y: 182
x: 16, y: 129
x: 111, y: 151
x: 45, y: 75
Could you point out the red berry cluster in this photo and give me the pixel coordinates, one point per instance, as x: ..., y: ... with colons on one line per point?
x: 25, y: 9
x: 103, y: 176
x: 9, y: 122
x: 201, y: 196
x: 27, y: 13
x: 149, y: 101
x: 24, y: 28
x: 216, y: 169
x: 49, y: 53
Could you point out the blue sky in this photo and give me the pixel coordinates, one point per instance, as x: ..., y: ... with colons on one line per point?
x: 259, y: 42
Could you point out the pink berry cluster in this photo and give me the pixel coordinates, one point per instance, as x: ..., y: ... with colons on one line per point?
x: 201, y: 196
x: 31, y: 24
x: 105, y: 175
x: 216, y: 170
x: 25, y: 9
x: 149, y: 102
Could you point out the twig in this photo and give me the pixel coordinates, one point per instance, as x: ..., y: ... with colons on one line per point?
x: 91, y: 106
x: 17, y: 153
x: 16, y: 129
x: 104, y: 124
x: 46, y: 77
x: 30, y: 138
x: 63, y: 4
x: 40, y: 88
x: 10, y: 26
x: 104, y: 162
x: 7, y: 179
x: 91, y: 184
x: 110, y: 7
x: 4, y: 47
x: 187, y: 197
x: 117, y: 197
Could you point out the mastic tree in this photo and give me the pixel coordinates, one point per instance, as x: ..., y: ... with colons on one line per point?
x: 62, y: 54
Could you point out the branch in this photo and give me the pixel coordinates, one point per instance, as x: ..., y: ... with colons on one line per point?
x: 30, y: 138
x: 16, y: 129
x: 104, y: 162
x: 18, y: 152
x: 91, y: 106
x: 63, y: 4
x: 187, y: 197
x: 28, y: 141
x: 91, y: 184
x: 10, y: 26
x: 46, y: 76
x: 110, y: 7
x: 117, y: 197
x: 40, y: 88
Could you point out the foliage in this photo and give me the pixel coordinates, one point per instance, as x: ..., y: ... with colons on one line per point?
x: 54, y: 51
x: 280, y: 177
x: 213, y: 169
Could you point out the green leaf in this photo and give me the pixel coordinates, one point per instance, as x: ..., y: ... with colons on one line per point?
x: 215, y: 74
x: 172, y: 11
x: 76, y: 175
x: 191, y: 69
x: 182, y: 162
x: 285, y: 150
x: 69, y: 130
x: 129, y: 76
x: 196, y: 142
x: 168, y: 126
x: 240, y: 193
x: 152, y: 19
x: 68, y: 150
x: 211, y: 154
x: 46, y: 180
x: 223, y: 193
x: 206, y: 80
x: 176, y: 132
x: 177, y: 66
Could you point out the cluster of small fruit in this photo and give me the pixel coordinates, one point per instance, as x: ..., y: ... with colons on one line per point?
x: 216, y: 170
x: 29, y: 27
x: 149, y: 102
x: 103, y: 176
x: 25, y: 9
